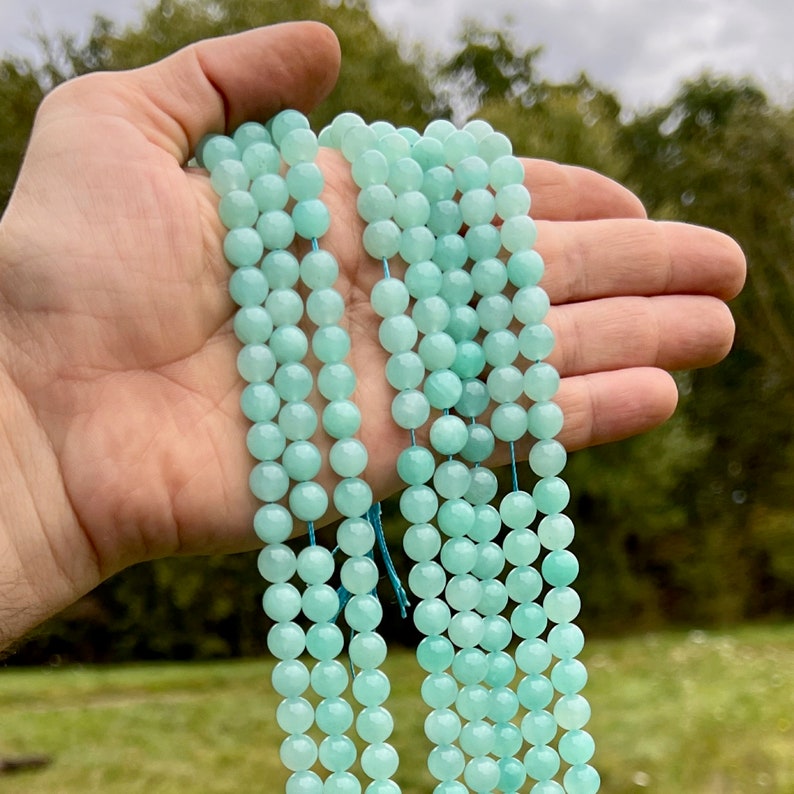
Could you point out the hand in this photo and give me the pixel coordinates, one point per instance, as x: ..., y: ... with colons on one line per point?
x: 123, y: 438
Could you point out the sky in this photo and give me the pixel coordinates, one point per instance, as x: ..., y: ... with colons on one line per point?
x: 640, y: 48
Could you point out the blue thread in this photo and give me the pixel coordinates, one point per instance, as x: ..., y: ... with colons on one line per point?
x: 373, y: 515
x: 315, y: 244
x: 312, y: 537
x: 413, y: 437
x: 386, y: 273
x: 513, y: 468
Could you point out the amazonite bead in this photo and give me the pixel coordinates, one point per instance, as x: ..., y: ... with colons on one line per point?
x: 341, y: 124
x: 541, y: 382
x: 243, y: 247
x: 488, y: 522
x: 494, y: 312
x: 397, y: 333
x: 376, y: 203
x: 295, y: 715
x: 443, y: 388
x: 505, y: 383
x: 551, y: 495
x: 545, y: 419
x: 248, y: 286
x: 302, y: 461
x: 368, y: 651
x: 439, y: 183
x: 261, y: 158
x: 452, y: 480
x: 500, y: 348
x: 533, y: 656
x: 582, y: 779
x: 304, y: 181
x: 214, y: 149
x: 556, y: 532
x: 463, y: 593
x: 329, y: 678
x: 446, y: 762
x: 493, y: 146
x: 440, y: 129
x: 290, y: 678
x: 270, y: 192
x: 576, y: 747
x: 370, y: 687
x: 542, y: 762
x: 410, y: 409
x: 530, y: 305
x: 442, y: 726
x: 483, y: 486
x: 276, y: 228
x: 427, y: 579
x: 474, y: 398
x: 319, y: 269
x: 418, y: 504
x: 320, y: 603
x: 511, y: 201
x: 297, y: 420
x: 528, y: 620
x: 431, y: 616
x: 273, y: 523
x: 405, y: 175
x: 415, y: 465
x: 284, y: 122
x: 393, y: 145
x: 457, y: 287
x: 293, y: 381
x: 237, y: 208
x: 435, y: 654
x: 458, y: 555
x: 285, y: 306
x: 428, y: 153
x: 535, y: 692
x: 352, y: 497
x: 472, y: 702
x: 355, y: 536
x: 509, y: 421
x: 560, y: 568
x: 572, y: 712
x: 422, y: 279
x: 282, y: 603
x: 501, y: 671
x: 411, y: 208
x: 357, y: 140
x: 286, y: 640
x: 477, y: 206
x: 299, y: 146
x: 334, y: 716
x: 253, y: 324
x: 539, y: 727
x: 569, y: 676
x: 445, y: 218
x: 417, y: 244
x: 470, y: 666
x: 562, y: 605
x: 348, y: 457
x: 566, y: 641
x: 439, y: 690
x: 380, y: 762
x: 469, y: 359
x: 421, y: 542
x: 490, y: 560
x: 483, y: 241
x: 298, y: 752
x: 308, y: 501
x: 374, y: 724
x: 459, y: 145
x: 341, y: 419
x: 364, y: 613
x: 381, y: 239
x: 512, y: 775
x: 265, y: 441
x: 507, y: 740
x: 489, y: 276
x: 288, y: 343
x: 250, y: 132
x: 311, y: 218
x: 524, y: 584
x: 330, y: 344
x: 324, y: 641
x: 281, y: 269
x: 471, y: 173
x: 431, y: 314
x: 336, y: 381
x: 405, y: 370
x: 536, y: 341
x: 525, y: 268
x: 517, y: 509
x: 456, y: 517
x: 479, y: 445
x: 521, y: 546
x: 450, y: 252
x: 448, y: 435
x: 337, y: 754
x: 268, y: 481
x: 389, y: 297
x: 437, y: 351
x: 482, y: 774
x: 229, y: 175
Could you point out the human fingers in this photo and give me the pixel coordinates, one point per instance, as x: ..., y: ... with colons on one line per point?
x: 669, y: 331
x: 595, y: 259
x: 572, y: 193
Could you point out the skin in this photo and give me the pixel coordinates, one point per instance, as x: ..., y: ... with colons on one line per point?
x: 121, y: 438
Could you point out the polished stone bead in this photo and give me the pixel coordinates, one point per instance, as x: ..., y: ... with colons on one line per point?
x: 248, y: 286
x: 494, y: 312
x: 512, y: 200
x: 517, y: 509
x: 270, y: 192
x: 285, y: 306
x: 405, y: 370
x: 284, y: 122
x: 253, y: 324
x: 288, y: 343
x: 525, y: 268
x: 243, y: 247
x: 459, y: 145
x: 355, y: 536
x: 477, y: 206
x: 324, y: 641
x: 572, y: 712
x: 320, y: 603
x: 389, y: 297
x: 566, y: 640
x: 512, y: 775
x: 302, y: 461
x: 457, y: 287
x: 380, y: 761
x: 541, y: 382
x: 443, y: 388
x: 435, y: 653
x: 298, y: 752
x: 535, y: 692
x: 428, y: 153
x: 479, y: 445
x: 249, y: 133
x: 286, y: 640
x: 334, y: 715
x: 462, y: 593
x: 576, y: 747
x: 431, y: 616
x: 533, y: 656
x: 405, y: 175
x: 329, y: 678
x: 528, y: 620
x: 521, y: 546
x: 393, y: 144
x: 536, y: 341
x: 304, y: 181
x: 458, y: 555
x: 381, y: 239
x: 501, y: 671
x: 442, y: 726
x: 431, y: 314
x: 214, y: 149
x: 311, y: 218
x: 423, y: 279
x: 376, y: 203
x: 469, y: 359
x: 427, y: 580
x: 490, y: 560
x: 297, y: 420
x: 471, y: 173
x: 293, y: 381
x: 474, y: 398
x: 562, y: 604
x: 273, y: 523
x: 370, y: 687
x: 308, y: 501
x: 319, y: 269
x: 456, y: 517
x: 484, y: 486
x: 348, y: 457
x: 489, y: 276
x: 450, y: 252
x: 397, y: 333
x: 411, y: 208
x: 368, y: 651
x: 439, y: 183
x: 445, y: 219
x: 282, y: 603
x: 295, y: 715
x: 437, y: 351
x: 352, y: 497
x: 472, y: 702
x: 364, y: 613
x: 276, y: 228
x: 582, y: 779
x: 530, y: 305
x: 340, y: 125
x: 341, y: 419
x: 560, y: 568
x: 415, y: 465
x: 505, y: 383
x: 545, y: 419
x: 448, y: 435
x: 483, y: 241
x: 229, y: 175
x: 356, y: 140
x: 299, y: 146
x: 542, y: 762
x: 488, y: 522
x: 374, y: 723
x: 268, y: 481
x: 507, y: 740
x: 439, y: 690
x: 336, y: 381
x: 569, y: 676
x: 446, y: 761
x: 418, y: 504
x: 337, y: 755
x: 556, y: 532
x: 482, y: 774
x: 551, y: 495
x: 261, y: 158
x: 421, y: 542
x: 509, y: 422
x: 493, y: 146
x: 265, y: 441
x: 237, y: 208
x: 410, y: 409
x: 524, y: 584
x: 330, y: 344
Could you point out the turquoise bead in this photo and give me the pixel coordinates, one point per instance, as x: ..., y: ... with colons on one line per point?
x: 448, y: 435
x: 439, y: 690
x: 299, y: 145
x: 457, y: 287
x: 249, y: 133
x: 405, y: 370
x: 288, y: 343
x: 446, y: 762
x: 545, y: 419
x: 380, y: 761
x: 415, y: 465
x: 456, y: 517
x: 472, y: 702
x: 463, y: 593
x: 525, y: 268
x: 334, y: 716
x: 295, y: 715
x: 439, y: 183
x: 509, y: 422
x: 530, y: 305
x: 304, y: 181
x: 542, y: 762
x: 352, y: 497
x: 382, y: 239
x: 445, y: 218
x: 214, y: 149
x: 505, y: 383
x: 265, y: 441
x: 524, y: 583
x: 521, y: 546
x: 329, y: 678
x: 348, y: 457
x: 248, y: 286
x: 482, y: 774
x: 488, y: 522
x: 572, y: 712
x: 229, y: 175
x: 437, y: 351
x: 450, y: 252
x: 370, y: 687
x: 551, y: 495
x: 458, y: 145
x: 423, y: 279
x: 477, y: 206
x: 483, y: 241
x: 253, y: 324
x: 268, y: 481
x: 428, y: 153
x: 405, y: 175
x: 243, y: 247
x: 336, y: 381
x: 528, y: 620
x: 286, y: 640
x: 308, y: 501
x: 418, y: 504
x: 282, y: 603
x: 569, y: 676
x: 281, y: 269
x: 370, y: 168
x: 270, y: 192
x: 324, y: 641
x: 566, y: 641
x: 471, y: 173
x: 341, y: 419
x: 556, y: 532
x: 474, y: 398
x: 355, y: 536
x: 297, y: 420
x: 261, y: 158
x: 512, y: 200
x: 284, y: 122
x: 458, y: 555
x: 319, y: 269
x: 311, y: 218
x: 298, y: 752
x: 302, y: 461
x: 434, y: 654
x: 320, y: 603
x: 410, y: 409
x: 507, y: 740
x: 479, y: 128
x: 582, y: 779
x: 533, y: 656
x: 421, y: 542
x: 469, y: 359
x: 276, y: 228
x: 273, y: 523
x: 376, y: 203
x: 237, y: 208
x: 389, y: 297
x: 500, y: 347
x: 411, y: 208
x: 397, y: 333
x: 442, y: 726
x: 364, y: 613
x: 330, y: 344
x: 368, y: 651
x: 506, y: 170
x: 494, y: 312
x: 479, y: 445
x: 576, y: 747
x: 483, y: 486
x: 293, y: 381
x: 489, y: 276
x: 285, y: 306
x: 517, y: 509
x: 536, y: 341
x: 560, y: 568
x: 431, y: 616
x: 541, y: 382
x: 427, y: 580
x: 452, y: 480
x: 493, y: 600
x: 443, y: 388
x: 562, y: 605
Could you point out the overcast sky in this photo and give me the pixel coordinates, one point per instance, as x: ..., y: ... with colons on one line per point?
x: 641, y: 48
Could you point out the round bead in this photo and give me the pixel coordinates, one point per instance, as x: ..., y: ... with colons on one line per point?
x: 480, y: 443
x: 439, y: 690
x: 268, y: 481
x: 464, y: 324
x: 448, y: 435
x: 418, y: 504
x: 509, y: 421
x: 248, y: 286
x: 330, y: 344
x: 431, y: 314
x: 458, y: 555
x: 521, y: 547
x: 315, y: 565
x: 259, y: 402
x: 352, y: 497
x: 397, y: 333
x: 302, y: 461
x: 410, y: 409
x: 539, y: 727
x: 474, y: 398
x: 405, y: 174
x: 238, y: 208
x: 290, y: 678
x: 359, y: 575
x: 355, y: 536
x: 541, y: 382
x: 348, y: 457
x: 569, y: 676
x: 551, y: 495
x: 493, y: 598
x: 371, y: 687
x: 213, y: 149
x: 434, y: 654
x: 533, y: 656
x: 494, y: 312
x: 469, y: 359
x: 411, y: 209
x: 488, y: 522
x: 556, y: 531
x: 472, y: 702
x: 507, y: 740
x: 341, y: 419
x: 528, y: 620
x: 428, y: 152
x: 298, y: 752
x: 243, y: 247
x: 576, y: 747
x: 284, y: 122
x: 512, y: 200
x: 336, y: 381
x: 446, y: 762
x: 389, y: 297
x: 297, y: 420
x: 276, y: 228
x: 228, y: 176
x: 431, y: 616
x: 286, y: 640
x: 288, y: 343
x: 374, y: 724
x: 367, y: 650
x: 450, y: 252
x: 482, y: 774
x: 545, y: 419
x: 305, y: 181
x: 497, y: 633
x: 423, y: 279
x: 483, y: 486
x: 379, y: 761
x: 465, y: 629
x: 572, y: 712
x: 273, y: 523
x: 505, y: 383
x: 270, y: 192
x: 324, y: 641
x: 376, y: 203
x: 582, y: 779
x: 512, y: 774
x: 421, y: 542
x: 265, y: 441
x: 334, y: 715
x: 381, y: 239
x: 405, y: 370
x: 524, y: 583
x: 517, y: 509
x: 442, y: 726
x: 566, y: 640
x: 329, y: 678
x: 308, y: 501
x: 483, y: 241
x: 437, y: 351
x: 560, y: 568
x: 293, y: 381
x: 363, y: 613
x: 542, y: 762
x: 319, y: 269
x: 443, y: 389
x: 547, y: 458
x: 427, y: 579
x: 325, y: 306
x: 282, y: 603
x: 562, y: 604
x: 320, y: 603
x: 440, y: 183
x: 311, y: 218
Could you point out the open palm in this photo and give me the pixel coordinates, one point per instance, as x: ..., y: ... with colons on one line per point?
x: 116, y: 343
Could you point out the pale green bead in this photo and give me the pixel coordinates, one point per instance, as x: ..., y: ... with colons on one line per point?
x: 494, y: 312
x: 308, y: 501
x: 443, y: 389
x: 276, y: 229
x: 509, y: 422
x: 298, y: 752
x: 488, y: 523
x: 299, y: 146
x: 380, y: 761
x: 450, y: 252
x: 421, y: 542
x: 445, y: 218
x: 284, y: 305
x: 352, y: 497
x: 250, y: 132
x: 582, y: 779
x: 329, y: 678
x: 415, y: 465
x: 290, y: 678
x: 253, y: 324
x: 471, y: 173
x: 410, y: 134
x: 431, y: 616
x: 442, y: 726
x: 427, y: 579
x: 330, y: 343
x: 482, y: 773
x: 457, y: 287
x: 439, y: 183
x: 348, y: 457
x: 288, y: 343
x: 417, y: 243
x: 493, y: 146
x: 364, y: 613
x: 261, y: 158
x: 529, y: 620
x: 273, y: 523
x: 512, y: 774
x: 512, y: 200
x: 213, y: 149
x: 572, y: 712
x: 284, y: 122
x: 337, y: 755
x: 474, y: 399
x: 243, y: 247
x: 462, y: 593
x: 501, y: 347
x: 545, y: 419
x: 281, y: 269
x: 505, y: 383
x: 536, y: 341
x: 551, y: 495
x: 508, y: 740
x: 341, y: 124
x: 542, y: 763
x: 302, y: 461
x: 334, y: 716
x: 448, y: 435
x: 484, y: 486
x: 521, y: 546
x: 477, y: 206
x: 319, y: 269
x: 489, y: 276
x: 459, y: 145
x: 423, y: 279
x: 439, y: 690
x: 336, y: 381
x: 562, y: 604
x: 418, y: 504
x: 370, y: 168
x: 355, y: 536
x: 389, y: 297
x: 533, y: 656
x: 270, y: 192
x: 393, y: 145
x: 265, y: 441
x: 519, y: 233
x: 547, y: 457
x: 576, y: 747
x: 525, y: 268
x: 493, y: 600
x: 456, y: 517
x: 359, y: 575
x: 237, y: 208
x: 282, y: 603
x: 472, y: 702
x: 506, y: 170
x: 259, y: 402
x: 411, y: 208
x: 452, y: 480
x: 405, y: 175
x: 517, y: 510
x: 405, y: 370
x: 397, y: 333
x: 297, y: 420
x: 341, y: 419
x: 368, y: 651
x: 357, y: 140
x: 376, y: 203
x: 374, y: 723
x: 315, y: 565
x: 483, y: 241
x: 325, y: 306
x: 556, y: 531
x: 229, y: 175
x: 268, y: 481
x: 381, y: 239
x: 541, y: 382
x: 480, y: 444
x: 437, y: 350
x: 440, y: 129
x: 464, y: 324
x: 311, y: 218
x: 434, y: 654
x: 428, y: 152
x: 431, y: 315
x: 530, y: 305
x: 248, y: 286
x: 490, y: 560
x: 256, y: 363
x: 295, y: 715
x: 569, y: 676
x: 566, y: 641
x: 320, y: 603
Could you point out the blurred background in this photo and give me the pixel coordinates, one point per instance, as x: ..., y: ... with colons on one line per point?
x: 691, y: 525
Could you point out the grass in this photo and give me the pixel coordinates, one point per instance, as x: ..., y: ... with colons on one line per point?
x: 698, y: 713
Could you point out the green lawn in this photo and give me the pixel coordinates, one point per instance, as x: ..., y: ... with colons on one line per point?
x: 696, y: 713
